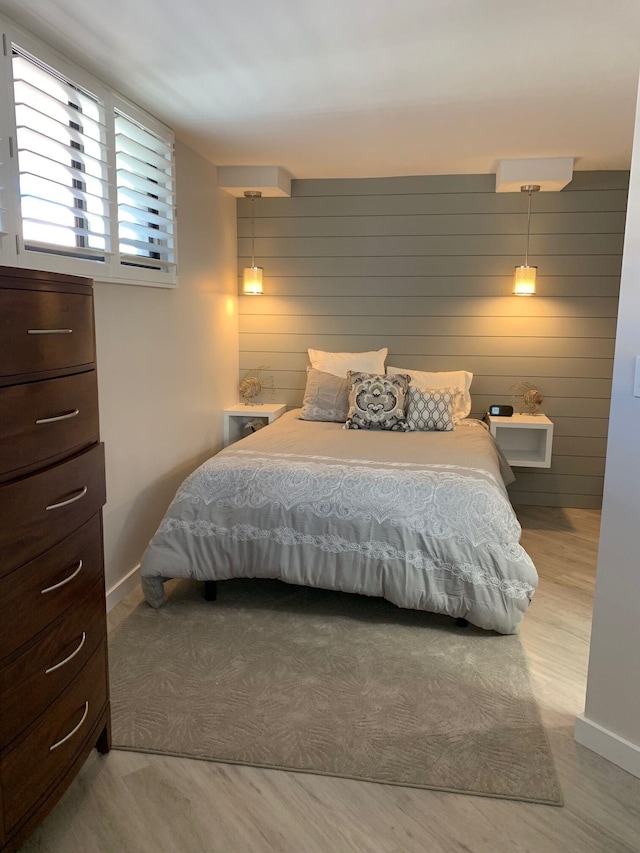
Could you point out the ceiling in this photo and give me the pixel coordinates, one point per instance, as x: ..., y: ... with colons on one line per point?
x: 366, y: 88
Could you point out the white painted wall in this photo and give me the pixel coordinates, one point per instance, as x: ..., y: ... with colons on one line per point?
x: 611, y: 721
x: 167, y: 364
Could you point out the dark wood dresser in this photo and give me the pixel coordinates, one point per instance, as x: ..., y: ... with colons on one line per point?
x: 54, y: 701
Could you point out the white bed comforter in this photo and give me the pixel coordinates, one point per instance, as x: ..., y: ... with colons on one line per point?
x: 422, y: 519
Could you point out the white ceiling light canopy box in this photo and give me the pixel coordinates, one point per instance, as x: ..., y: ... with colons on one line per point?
x: 551, y: 174
x: 269, y: 181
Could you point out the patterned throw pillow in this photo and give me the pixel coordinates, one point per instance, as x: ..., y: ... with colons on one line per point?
x: 326, y: 397
x: 377, y: 402
x: 432, y: 408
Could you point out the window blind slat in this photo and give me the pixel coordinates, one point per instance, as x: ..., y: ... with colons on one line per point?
x: 37, y: 209
x: 67, y: 233
x: 37, y: 143
x: 59, y: 249
x: 140, y: 200
x: 51, y: 190
x: 29, y: 117
x: 137, y: 215
x: 156, y: 177
x: 49, y: 81
x: 140, y: 232
x: 132, y: 130
x: 153, y: 263
x: 55, y: 171
x: 30, y: 96
x: 141, y: 154
x: 144, y: 248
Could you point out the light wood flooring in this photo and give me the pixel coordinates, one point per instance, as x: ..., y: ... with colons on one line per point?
x: 139, y: 803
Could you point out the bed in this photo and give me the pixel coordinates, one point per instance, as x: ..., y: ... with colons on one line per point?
x: 420, y: 518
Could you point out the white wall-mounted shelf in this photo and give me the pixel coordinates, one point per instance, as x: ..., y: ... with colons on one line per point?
x: 525, y: 440
x: 235, y: 418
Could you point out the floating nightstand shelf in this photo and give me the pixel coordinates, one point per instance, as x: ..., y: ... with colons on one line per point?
x: 525, y: 440
x: 235, y: 417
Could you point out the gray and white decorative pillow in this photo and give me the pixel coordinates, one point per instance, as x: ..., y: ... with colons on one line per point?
x: 432, y: 409
x: 326, y: 397
x: 377, y: 402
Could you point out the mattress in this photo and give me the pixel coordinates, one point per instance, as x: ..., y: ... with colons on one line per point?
x: 422, y: 519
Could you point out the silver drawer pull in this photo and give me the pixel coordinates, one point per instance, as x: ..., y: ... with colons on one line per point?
x: 55, y: 418
x: 49, y: 331
x: 83, y: 491
x: 66, y: 580
x: 73, y: 731
x: 67, y: 659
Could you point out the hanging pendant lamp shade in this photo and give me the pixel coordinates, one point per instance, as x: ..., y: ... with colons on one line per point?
x: 252, y: 276
x: 524, y: 283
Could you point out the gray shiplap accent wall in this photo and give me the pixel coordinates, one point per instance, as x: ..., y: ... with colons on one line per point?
x: 424, y: 266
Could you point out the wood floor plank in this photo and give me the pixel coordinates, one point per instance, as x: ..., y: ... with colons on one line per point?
x: 139, y: 803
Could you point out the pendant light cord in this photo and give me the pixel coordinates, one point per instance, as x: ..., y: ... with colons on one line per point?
x: 253, y: 195
x: 529, y: 188
x: 526, y: 251
x: 253, y: 236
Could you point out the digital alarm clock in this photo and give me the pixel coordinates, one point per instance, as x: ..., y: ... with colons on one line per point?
x: 501, y: 411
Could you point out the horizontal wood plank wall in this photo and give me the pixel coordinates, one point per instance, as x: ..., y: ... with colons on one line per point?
x: 424, y: 266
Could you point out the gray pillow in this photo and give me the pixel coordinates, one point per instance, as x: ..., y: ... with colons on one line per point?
x: 377, y: 401
x: 432, y: 408
x: 326, y: 397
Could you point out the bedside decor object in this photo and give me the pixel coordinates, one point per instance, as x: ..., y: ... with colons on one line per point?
x: 253, y: 426
x: 253, y: 384
x: 252, y: 276
x: 525, y: 397
x: 525, y: 277
x: 501, y: 411
x: 249, y: 388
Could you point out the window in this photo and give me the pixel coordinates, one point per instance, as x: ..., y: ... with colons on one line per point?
x: 93, y: 175
x: 62, y: 162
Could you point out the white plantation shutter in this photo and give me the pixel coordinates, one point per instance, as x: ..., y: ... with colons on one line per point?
x: 62, y: 162
x: 87, y: 178
x: 146, y: 195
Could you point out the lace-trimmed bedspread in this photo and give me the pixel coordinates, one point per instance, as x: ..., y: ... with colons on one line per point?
x: 421, y: 518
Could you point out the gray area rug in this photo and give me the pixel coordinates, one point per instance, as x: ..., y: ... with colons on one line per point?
x: 285, y: 677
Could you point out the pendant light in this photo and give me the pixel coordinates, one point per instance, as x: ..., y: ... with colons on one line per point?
x: 252, y: 276
x: 525, y: 279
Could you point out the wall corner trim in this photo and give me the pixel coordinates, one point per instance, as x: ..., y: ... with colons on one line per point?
x: 123, y: 587
x: 608, y: 744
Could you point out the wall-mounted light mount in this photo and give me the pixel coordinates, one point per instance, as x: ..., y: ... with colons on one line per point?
x: 252, y: 276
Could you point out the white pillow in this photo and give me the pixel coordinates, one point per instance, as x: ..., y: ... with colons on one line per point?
x: 338, y: 363
x: 447, y: 378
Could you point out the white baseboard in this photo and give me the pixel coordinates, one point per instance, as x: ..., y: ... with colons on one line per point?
x: 123, y: 587
x: 608, y: 744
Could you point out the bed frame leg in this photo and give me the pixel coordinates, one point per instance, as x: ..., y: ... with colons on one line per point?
x: 461, y: 622
x: 210, y: 590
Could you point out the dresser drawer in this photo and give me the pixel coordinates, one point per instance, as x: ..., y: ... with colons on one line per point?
x: 42, y: 509
x: 46, y: 420
x: 32, y: 766
x: 34, y: 595
x: 44, y: 330
x: 31, y: 682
